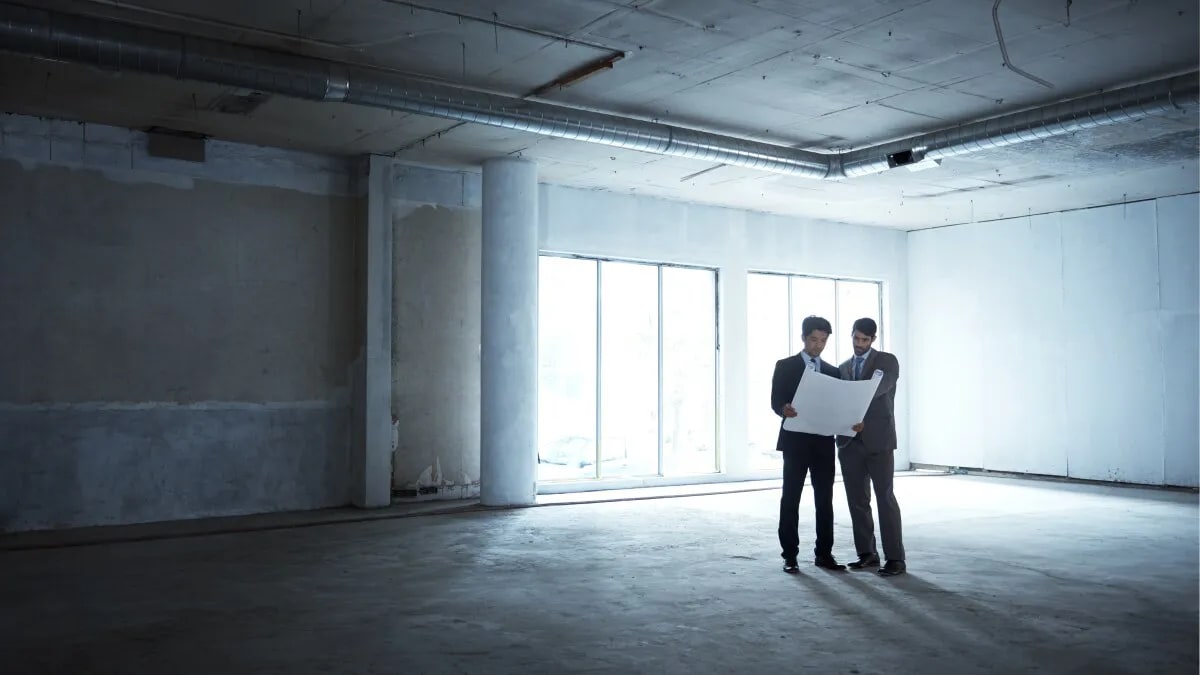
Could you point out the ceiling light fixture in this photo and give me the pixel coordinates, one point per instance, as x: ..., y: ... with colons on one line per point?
x: 905, y: 157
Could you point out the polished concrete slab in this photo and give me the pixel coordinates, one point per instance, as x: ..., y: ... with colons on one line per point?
x: 1005, y: 576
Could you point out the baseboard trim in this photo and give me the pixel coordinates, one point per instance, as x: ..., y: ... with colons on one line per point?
x: 1051, y: 478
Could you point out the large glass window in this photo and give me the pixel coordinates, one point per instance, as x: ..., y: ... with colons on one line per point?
x: 768, y: 330
x: 857, y: 300
x: 810, y: 296
x: 627, y: 376
x: 689, y: 371
x: 566, y: 368
x: 776, y: 307
x: 628, y: 369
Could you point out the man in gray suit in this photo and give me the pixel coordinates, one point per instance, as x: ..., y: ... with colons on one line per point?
x: 867, y: 457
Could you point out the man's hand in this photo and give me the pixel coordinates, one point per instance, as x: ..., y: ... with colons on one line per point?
x: 857, y: 427
x: 788, y: 410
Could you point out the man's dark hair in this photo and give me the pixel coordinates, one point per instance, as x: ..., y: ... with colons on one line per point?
x: 812, y: 323
x: 866, y: 326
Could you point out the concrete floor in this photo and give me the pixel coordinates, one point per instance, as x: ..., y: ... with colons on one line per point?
x: 1005, y: 576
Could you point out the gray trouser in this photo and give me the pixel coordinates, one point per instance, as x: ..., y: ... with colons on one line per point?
x: 861, y: 469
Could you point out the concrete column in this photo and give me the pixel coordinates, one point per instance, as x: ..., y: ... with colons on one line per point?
x: 373, y: 479
x: 508, y: 367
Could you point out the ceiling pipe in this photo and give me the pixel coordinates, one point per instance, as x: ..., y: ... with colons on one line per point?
x: 1004, y: 48
x: 114, y: 45
x: 1057, y: 119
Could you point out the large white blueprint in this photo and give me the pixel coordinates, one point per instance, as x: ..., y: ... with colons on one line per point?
x: 828, y: 406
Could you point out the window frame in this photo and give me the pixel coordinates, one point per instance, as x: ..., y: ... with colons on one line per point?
x: 718, y: 446
x: 836, y: 320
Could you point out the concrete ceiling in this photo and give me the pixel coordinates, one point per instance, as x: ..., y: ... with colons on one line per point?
x: 809, y: 73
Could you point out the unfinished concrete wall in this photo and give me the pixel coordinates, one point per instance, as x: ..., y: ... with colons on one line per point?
x: 435, y: 352
x: 173, y: 347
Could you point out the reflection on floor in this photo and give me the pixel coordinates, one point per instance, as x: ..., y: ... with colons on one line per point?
x: 596, y: 496
x: 1004, y: 576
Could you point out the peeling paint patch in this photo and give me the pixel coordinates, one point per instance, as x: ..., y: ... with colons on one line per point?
x: 449, y: 492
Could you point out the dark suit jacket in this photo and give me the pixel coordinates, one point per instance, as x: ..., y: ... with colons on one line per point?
x: 783, y: 389
x: 879, y: 424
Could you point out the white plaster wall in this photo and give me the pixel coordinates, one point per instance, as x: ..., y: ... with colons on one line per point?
x: 1061, y: 344
x: 607, y: 224
x: 735, y: 243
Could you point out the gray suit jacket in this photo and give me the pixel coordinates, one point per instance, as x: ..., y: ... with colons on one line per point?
x: 879, y: 424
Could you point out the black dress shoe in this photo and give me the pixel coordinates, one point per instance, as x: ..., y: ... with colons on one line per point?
x: 790, y: 566
x: 864, y: 561
x: 827, y: 562
x: 893, y: 568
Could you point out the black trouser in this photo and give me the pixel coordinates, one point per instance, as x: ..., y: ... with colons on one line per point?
x: 815, y: 454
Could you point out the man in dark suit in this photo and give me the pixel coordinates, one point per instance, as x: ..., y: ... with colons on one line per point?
x: 803, y: 452
x: 867, y: 458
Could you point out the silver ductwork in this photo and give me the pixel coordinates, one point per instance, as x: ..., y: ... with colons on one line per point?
x: 115, y: 45
x: 437, y: 100
x: 1121, y: 105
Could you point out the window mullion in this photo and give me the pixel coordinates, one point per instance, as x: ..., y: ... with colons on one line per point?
x: 661, y: 469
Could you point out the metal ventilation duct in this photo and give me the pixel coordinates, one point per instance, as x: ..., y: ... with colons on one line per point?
x: 1120, y: 105
x: 110, y: 44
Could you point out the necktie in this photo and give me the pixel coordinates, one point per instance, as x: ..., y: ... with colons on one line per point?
x: 814, y: 365
x: 858, y: 367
